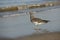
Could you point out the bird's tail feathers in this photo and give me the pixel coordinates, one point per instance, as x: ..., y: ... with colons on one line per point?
x: 46, y: 21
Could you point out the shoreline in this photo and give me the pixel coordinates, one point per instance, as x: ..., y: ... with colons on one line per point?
x: 43, y: 36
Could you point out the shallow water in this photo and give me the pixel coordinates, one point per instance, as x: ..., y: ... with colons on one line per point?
x: 14, y: 26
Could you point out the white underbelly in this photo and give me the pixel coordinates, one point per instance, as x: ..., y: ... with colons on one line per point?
x: 36, y: 23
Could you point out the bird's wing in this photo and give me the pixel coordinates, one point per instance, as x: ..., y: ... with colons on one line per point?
x: 37, y: 19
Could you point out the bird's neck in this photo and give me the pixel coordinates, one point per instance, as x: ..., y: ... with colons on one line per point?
x: 31, y: 15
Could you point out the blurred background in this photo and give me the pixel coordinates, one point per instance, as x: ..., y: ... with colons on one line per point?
x: 21, y: 2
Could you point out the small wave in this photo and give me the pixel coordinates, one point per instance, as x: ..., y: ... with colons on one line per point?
x: 11, y: 15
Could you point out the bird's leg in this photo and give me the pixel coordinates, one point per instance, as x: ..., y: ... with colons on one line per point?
x: 37, y: 28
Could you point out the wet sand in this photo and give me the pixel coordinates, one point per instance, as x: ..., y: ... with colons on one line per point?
x: 44, y: 36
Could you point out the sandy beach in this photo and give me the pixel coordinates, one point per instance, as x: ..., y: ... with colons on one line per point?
x: 46, y: 36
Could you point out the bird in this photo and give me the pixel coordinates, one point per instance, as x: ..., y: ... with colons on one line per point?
x: 37, y: 21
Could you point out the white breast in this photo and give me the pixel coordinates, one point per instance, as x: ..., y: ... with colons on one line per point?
x: 36, y: 23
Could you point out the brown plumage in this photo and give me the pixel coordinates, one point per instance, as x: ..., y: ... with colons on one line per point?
x: 39, y: 20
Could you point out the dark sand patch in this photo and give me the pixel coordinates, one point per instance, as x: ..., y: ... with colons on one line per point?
x: 44, y: 36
